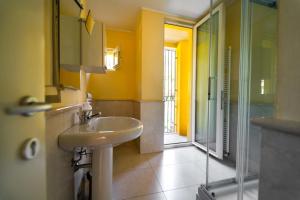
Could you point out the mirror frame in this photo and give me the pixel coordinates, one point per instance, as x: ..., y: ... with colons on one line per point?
x: 56, y: 54
x: 56, y: 43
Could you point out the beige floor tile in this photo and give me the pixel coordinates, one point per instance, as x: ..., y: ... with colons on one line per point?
x: 173, y: 138
x: 156, y: 196
x: 220, y: 171
x: 135, y: 182
x: 127, y: 156
x: 176, y: 156
x: 179, y: 175
x: 137, y: 161
x: 173, y: 171
x: 126, y: 148
x: 188, y: 193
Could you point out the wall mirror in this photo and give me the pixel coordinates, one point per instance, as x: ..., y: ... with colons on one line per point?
x: 63, y: 70
x: 69, y: 43
x: 78, y: 44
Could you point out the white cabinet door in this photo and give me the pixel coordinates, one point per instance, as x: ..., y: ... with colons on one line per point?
x: 69, y: 34
x: 92, y: 46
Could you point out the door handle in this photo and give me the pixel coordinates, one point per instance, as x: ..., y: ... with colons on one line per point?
x: 209, y: 88
x: 222, y: 100
x: 28, y: 105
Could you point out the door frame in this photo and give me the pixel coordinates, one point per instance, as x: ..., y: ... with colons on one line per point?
x: 221, y: 56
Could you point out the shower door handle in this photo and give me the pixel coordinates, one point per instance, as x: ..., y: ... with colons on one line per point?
x: 209, y: 88
x: 222, y: 100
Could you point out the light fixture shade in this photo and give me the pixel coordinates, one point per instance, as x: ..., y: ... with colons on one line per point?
x: 89, y: 23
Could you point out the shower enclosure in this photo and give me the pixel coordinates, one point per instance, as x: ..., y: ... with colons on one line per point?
x: 239, y: 54
x: 257, y: 91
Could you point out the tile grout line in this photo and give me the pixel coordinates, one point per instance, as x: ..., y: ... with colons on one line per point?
x: 156, y: 177
x: 133, y: 197
x: 152, y: 167
x: 179, y: 188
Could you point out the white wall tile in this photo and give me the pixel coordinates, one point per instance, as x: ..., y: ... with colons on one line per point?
x: 60, y: 179
x: 152, y: 138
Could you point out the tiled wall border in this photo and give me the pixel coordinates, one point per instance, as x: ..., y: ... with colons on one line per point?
x: 60, y: 175
x: 56, y: 111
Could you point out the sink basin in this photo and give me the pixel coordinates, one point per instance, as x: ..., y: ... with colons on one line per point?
x: 101, y: 134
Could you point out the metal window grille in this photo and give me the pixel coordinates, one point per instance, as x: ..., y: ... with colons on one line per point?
x: 169, y: 90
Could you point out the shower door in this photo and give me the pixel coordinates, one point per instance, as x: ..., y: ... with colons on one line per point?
x: 257, y: 92
x: 208, y: 72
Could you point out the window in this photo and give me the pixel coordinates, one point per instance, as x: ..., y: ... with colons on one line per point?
x: 112, y: 58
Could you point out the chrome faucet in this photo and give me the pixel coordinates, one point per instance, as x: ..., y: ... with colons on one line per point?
x: 87, y: 115
x: 98, y: 114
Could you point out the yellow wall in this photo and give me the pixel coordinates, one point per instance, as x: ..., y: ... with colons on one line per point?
x: 288, y: 96
x: 233, y: 13
x: 150, y: 33
x: 71, y: 79
x: 170, y: 44
x: 140, y: 75
x: 70, y: 96
x: 119, y: 84
x: 263, y: 43
x: 264, y: 54
x: 48, y: 43
x: 184, y: 89
x: 184, y: 76
x: 138, y: 39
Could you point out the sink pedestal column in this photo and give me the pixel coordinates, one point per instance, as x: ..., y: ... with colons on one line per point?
x: 102, y: 173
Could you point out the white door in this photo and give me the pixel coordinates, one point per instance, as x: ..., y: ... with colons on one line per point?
x: 208, y: 76
x: 22, y: 60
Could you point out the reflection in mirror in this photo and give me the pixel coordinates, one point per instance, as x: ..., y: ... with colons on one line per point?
x: 69, y: 44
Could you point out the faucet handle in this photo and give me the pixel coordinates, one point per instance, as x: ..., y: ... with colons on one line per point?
x: 95, y: 115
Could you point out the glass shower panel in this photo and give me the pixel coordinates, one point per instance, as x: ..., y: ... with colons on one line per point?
x: 263, y: 75
x: 206, y: 100
x: 202, y: 76
x: 260, y: 70
x: 213, y: 93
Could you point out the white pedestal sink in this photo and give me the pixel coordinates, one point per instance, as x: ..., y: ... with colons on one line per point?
x: 101, y: 134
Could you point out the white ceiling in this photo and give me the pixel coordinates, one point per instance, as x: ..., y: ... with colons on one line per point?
x: 175, y: 36
x: 123, y: 13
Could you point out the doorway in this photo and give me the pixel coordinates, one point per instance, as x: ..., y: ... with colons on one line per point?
x: 177, y: 84
x: 170, y: 90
